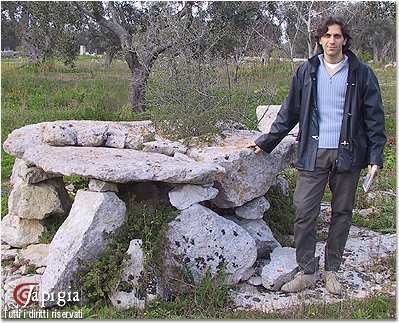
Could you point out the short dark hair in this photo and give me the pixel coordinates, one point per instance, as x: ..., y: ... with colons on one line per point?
x: 322, y: 28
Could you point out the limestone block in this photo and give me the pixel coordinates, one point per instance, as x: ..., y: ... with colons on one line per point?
x: 35, y: 255
x: 38, y: 201
x: 19, y: 232
x: 96, y: 185
x: 183, y: 196
x: 165, y: 147
x: 201, y: 240
x: 81, y: 238
x: 61, y: 134
x: 254, y: 209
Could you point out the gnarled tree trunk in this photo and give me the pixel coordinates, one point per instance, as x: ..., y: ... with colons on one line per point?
x: 137, y: 87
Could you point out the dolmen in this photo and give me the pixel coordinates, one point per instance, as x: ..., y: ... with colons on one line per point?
x: 218, y: 189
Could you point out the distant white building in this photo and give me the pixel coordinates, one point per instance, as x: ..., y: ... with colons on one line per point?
x: 82, y: 50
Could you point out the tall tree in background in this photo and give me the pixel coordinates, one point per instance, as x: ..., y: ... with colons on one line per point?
x: 145, y: 31
x: 374, y: 29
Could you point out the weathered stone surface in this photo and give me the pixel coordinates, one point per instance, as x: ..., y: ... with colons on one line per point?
x: 201, y: 239
x: 35, y: 255
x: 59, y: 134
x: 19, y: 232
x: 266, y: 114
x: 183, y: 196
x: 81, y: 237
x: 132, y: 276
x: 182, y: 157
x: 116, y: 165
x: 116, y: 137
x: 248, y: 175
x: 132, y: 273
x: 165, y: 147
x: 31, y: 136
x: 96, y: 185
x: 364, y: 213
x: 254, y: 209
x: 23, y: 171
x: 111, y: 165
x: 38, y: 201
x: 19, y: 164
x: 247, y: 274
x: 261, y: 233
x: 9, y: 254
x: 255, y: 281
x: 282, y: 262
x: 141, y: 133
x: 282, y: 185
x: 92, y: 137
x: 361, y: 275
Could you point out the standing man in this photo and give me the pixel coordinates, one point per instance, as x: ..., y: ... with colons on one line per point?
x: 336, y: 100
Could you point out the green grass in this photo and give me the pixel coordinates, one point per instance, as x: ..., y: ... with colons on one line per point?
x: 380, y: 307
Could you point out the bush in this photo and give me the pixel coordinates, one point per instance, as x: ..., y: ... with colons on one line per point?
x: 145, y: 222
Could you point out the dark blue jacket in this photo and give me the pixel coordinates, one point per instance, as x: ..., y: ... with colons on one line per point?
x: 362, y: 136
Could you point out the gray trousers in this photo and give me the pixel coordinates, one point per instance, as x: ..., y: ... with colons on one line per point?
x: 308, y: 194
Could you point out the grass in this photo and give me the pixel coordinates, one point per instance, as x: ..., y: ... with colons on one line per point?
x: 382, y: 307
x: 88, y: 91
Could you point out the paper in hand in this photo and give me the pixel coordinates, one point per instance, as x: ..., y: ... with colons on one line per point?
x: 368, y: 180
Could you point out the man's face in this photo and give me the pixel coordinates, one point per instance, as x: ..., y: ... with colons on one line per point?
x: 333, y: 41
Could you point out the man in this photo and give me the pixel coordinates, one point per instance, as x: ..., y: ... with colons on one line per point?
x: 336, y: 100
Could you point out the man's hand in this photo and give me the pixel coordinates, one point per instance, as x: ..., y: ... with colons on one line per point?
x: 376, y: 168
x: 257, y: 149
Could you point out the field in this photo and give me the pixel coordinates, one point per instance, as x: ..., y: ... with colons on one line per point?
x: 88, y: 91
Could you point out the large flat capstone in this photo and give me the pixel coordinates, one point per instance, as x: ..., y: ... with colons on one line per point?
x: 104, y: 163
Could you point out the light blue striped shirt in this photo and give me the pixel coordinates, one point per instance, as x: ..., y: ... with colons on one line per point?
x: 331, y: 91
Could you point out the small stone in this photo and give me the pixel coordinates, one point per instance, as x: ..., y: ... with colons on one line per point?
x: 62, y: 134
x: 96, y: 185
x: 143, y: 132
x: 283, y: 261
x: 116, y: 137
x: 5, y: 247
x: 254, y: 209
x: 38, y: 201
x: 40, y: 270
x: 165, y: 147
x: 247, y: 274
x: 70, y: 188
x: 364, y: 213
x: 9, y: 254
x: 282, y: 185
x: 92, y: 137
x: 19, y: 232
x: 35, y: 254
x: 255, y: 281
x: 183, y: 196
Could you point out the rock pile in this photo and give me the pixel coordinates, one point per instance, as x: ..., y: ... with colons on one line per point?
x: 219, y: 191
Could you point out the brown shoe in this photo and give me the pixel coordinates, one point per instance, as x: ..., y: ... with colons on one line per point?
x: 300, y: 282
x: 333, y: 286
